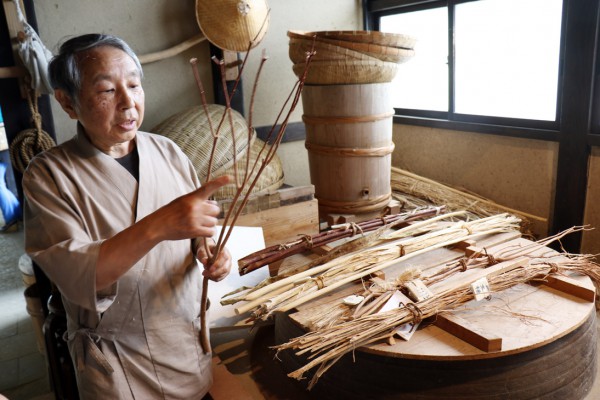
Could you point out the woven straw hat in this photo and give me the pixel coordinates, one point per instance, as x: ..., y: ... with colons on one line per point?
x: 233, y: 24
x: 270, y: 179
x: 190, y: 130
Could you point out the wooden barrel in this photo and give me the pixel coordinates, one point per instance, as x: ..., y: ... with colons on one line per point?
x: 349, y: 143
x: 563, y: 369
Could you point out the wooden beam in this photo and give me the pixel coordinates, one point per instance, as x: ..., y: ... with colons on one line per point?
x: 172, y: 51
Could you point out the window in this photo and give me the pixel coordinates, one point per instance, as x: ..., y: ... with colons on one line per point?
x: 487, y: 61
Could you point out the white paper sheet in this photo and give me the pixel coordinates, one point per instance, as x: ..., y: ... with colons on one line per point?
x: 243, y: 241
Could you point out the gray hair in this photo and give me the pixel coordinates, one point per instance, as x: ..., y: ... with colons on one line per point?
x: 64, y: 70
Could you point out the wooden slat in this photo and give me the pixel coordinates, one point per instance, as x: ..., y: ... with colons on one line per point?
x: 284, y: 223
x: 277, y: 198
x: 464, y: 330
x: 571, y: 286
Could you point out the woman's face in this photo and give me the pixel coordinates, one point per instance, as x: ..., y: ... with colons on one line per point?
x: 111, y: 100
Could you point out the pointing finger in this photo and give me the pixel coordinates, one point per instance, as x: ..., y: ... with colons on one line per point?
x: 212, y: 186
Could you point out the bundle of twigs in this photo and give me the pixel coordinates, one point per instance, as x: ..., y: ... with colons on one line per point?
x: 414, y: 186
x: 244, y: 182
x: 327, y: 345
x: 295, y: 290
x: 281, y: 251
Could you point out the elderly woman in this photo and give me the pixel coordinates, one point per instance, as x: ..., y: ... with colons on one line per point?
x: 110, y: 216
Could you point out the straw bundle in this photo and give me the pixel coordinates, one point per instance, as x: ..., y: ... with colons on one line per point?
x: 293, y: 291
x: 408, y: 187
x: 190, y: 130
x: 327, y: 345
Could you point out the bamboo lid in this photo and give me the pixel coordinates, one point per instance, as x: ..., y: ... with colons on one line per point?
x: 235, y: 25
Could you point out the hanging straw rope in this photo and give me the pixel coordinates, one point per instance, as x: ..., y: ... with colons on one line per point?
x: 30, y: 142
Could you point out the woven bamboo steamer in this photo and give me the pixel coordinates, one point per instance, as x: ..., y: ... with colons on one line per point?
x: 270, y: 179
x: 347, y: 72
x: 375, y: 37
x: 383, y: 53
x: 190, y: 130
x: 235, y: 25
x: 298, y: 49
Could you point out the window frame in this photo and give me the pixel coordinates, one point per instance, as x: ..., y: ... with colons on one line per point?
x: 373, y: 10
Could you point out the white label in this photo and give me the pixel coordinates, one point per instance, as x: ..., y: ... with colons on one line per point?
x: 398, y: 300
x: 353, y: 300
x: 417, y: 290
x: 481, y: 289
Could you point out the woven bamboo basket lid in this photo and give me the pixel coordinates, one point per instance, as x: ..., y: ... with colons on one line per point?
x: 270, y: 179
x: 298, y: 49
x: 235, y: 25
x: 347, y: 72
x: 383, y: 53
x: 190, y: 130
x: 375, y: 37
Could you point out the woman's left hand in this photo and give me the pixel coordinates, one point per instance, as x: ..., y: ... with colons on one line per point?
x: 222, y: 265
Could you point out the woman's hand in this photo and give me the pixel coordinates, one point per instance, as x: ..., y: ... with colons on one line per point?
x: 222, y: 265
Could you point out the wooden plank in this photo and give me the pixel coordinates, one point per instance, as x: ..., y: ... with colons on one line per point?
x: 464, y: 330
x: 571, y: 286
x: 277, y: 198
x: 285, y: 223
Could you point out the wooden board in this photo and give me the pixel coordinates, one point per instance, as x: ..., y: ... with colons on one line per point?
x: 284, y: 223
x: 525, y: 317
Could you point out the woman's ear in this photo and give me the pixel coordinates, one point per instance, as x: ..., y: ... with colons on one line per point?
x: 65, y: 102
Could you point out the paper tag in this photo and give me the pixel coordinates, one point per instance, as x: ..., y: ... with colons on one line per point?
x: 407, y: 330
x: 417, y: 290
x: 353, y: 300
x: 398, y: 300
x: 481, y: 289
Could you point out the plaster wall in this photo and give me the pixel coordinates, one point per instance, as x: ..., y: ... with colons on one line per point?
x: 150, y: 26
x: 516, y: 173
x: 277, y: 77
x: 147, y: 26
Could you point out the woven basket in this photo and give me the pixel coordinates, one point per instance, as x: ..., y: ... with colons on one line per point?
x: 383, y: 53
x: 374, y: 37
x: 270, y: 179
x: 323, y: 51
x: 347, y: 72
x: 235, y: 25
x: 190, y: 130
